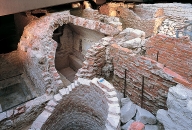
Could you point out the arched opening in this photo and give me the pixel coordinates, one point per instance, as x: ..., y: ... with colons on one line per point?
x: 73, y: 43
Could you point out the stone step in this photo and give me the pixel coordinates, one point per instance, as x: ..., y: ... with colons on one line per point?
x: 57, y: 97
x: 113, y: 121
x: 52, y: 103
x: 76, y: 83
x: 109, y: 127
x: 114, y: 109
x: 67, y: 90
x: 72, y: 85
x: 49, y: 109
x: 63, y: 91
x: 69, y: 87
x: 104, y: 84
x: 113, y: 100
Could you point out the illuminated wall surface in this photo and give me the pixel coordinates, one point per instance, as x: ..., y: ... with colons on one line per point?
x: 7, y: 7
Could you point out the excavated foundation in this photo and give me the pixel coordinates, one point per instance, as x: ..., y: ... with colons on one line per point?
x: 85, y: 104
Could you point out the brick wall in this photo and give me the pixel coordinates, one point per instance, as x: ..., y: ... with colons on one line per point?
x: 137, y: 19
x: 174, y: 53
x: 38, y: 49
x: 157, y: 78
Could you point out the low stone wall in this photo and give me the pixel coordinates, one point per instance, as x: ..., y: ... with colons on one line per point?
x: 174, y: 53
x: 85, y: 104
x: 22, y: 116
x: 38, y: 49
x: 179, y: 113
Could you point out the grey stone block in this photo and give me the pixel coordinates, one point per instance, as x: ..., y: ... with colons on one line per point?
x: 145, y: 116
x: 2, y: 116
x: 151, y: 127
x: 128, y: 111
x: 126, y: 126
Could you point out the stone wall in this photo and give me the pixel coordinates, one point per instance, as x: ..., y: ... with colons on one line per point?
x: 174, y: 53
x: 11, y: 65
x: 147, y: 21
x: 170, y: 9
x: 22, y: 116
x: 157, y: 78
x: 85, y: 104
x: 95, y: 15
x: 38, y: 49
x: 179, y: 113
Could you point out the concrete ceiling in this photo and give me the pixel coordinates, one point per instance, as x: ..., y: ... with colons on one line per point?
x: 16, y: 6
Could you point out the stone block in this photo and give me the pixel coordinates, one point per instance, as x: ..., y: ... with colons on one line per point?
x: 3, y: 116
x: 127, y: 125
x: 128, y: 111
x: 151, y: 127
x: 57, y: 97
x: 106, y: 85
x: 113, y: 120
x: 163, y: 117
x: 145, y: 116
x: 62, y: 91
x: 51, y: 103
x: 125, y: 101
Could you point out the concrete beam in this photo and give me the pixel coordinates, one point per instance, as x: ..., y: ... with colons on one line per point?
x: 16, y: 6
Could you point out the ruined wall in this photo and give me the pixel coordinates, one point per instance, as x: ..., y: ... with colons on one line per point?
x: 177, y: 15
x: 95, y: 60
x: 138, y: 19
x: 179, y: 113
x: 174, y: 53
x: 38, y: 49
x: 157, y: 78
x: 95, y: 15
x: 170, y: 9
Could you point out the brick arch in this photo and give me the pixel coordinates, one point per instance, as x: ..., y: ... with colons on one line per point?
x: 37, y: 48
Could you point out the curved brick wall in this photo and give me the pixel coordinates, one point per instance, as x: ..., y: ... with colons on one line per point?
x: 85, y: 104
x: 37, y: 48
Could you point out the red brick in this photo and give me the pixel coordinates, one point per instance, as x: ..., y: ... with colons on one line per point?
x: 136, y: 126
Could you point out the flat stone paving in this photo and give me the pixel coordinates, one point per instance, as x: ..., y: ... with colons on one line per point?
x: 68, y: 73
x: 13, y: 95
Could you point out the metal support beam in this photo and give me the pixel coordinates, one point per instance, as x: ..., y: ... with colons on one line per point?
x: 15, y: 6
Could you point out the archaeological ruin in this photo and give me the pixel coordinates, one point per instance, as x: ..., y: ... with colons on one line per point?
x: 96, y: 65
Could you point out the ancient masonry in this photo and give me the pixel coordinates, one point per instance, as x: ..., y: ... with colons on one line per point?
x: 130, y: 70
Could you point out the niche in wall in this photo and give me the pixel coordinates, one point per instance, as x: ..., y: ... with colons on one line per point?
x: 73, y: 43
